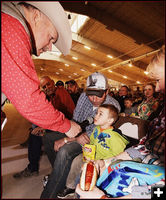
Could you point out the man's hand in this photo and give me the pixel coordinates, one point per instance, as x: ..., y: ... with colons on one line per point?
x: 96, y: 193
x: 58, y: 144
x: 74, y: 130
x: 83, y: 139
x: 38, y: 131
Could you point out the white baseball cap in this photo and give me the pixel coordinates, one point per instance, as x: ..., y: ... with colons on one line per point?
x: 55, y: 12
x: 97, y: 83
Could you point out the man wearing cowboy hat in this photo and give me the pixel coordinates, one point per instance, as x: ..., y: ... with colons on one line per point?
x: 31, y: 28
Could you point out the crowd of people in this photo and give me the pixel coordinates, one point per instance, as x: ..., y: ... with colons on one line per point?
x: 57, y: 111
x: 65, y: 153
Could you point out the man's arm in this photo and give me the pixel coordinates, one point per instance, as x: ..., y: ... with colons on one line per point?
x: 20, y: 82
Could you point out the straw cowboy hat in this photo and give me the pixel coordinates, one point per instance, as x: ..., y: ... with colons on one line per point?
x: 55, y: 12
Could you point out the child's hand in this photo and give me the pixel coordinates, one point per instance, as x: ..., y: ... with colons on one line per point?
x: 100, y: 166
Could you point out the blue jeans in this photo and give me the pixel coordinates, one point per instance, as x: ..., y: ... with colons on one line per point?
x: 61, y: 165
x: 34, y: 152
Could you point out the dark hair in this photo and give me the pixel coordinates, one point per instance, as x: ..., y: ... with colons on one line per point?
x: 151, y: 84
x: 129, y: 99
x: 59, y: 83
x: 112, y: 109
x: 73, y: 82
x: 125, y: 87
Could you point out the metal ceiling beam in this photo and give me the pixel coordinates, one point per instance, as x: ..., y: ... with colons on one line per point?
x: 111, y: 22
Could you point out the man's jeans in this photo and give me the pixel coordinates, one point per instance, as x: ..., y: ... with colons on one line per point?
x: 75, y: 172
x: 61, y: 162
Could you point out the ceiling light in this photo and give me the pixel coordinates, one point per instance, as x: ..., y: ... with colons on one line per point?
x: 69, y: 76
x: 86, y: 47
x: 93, y: 64
x: 61, y: 70
x: 57, y: 72
x: 66, y: 65
x: 146, y: 72
x: 82, y: 70
x: 75, y: 74
x: 110, y: 70
x: 138, y: 82
x: 124, y: 76
x: 130, y: 65
x: 75, y: 58
x: 109, y: 56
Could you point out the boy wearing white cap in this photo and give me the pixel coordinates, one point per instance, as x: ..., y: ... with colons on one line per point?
x: 32, y: 27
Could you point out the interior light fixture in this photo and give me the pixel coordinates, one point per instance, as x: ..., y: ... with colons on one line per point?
x: 82, y: 70
x: 124, y: 76
x: 57, y: 73
x: 130, y: 65
x: 86, y: 47
x: 69, y: 76
x: 109, y: 56
x: 66, y: 65
x: 75, y: 58
x: 93, y: 64
x: 110, y: 70
x: 60, y: 69
x: 138, y: 82
x: 75, y: 74
x: 145, y: 72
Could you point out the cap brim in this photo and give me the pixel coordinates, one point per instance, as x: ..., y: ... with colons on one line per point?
x: 98, y: 93
x: 55, y: 12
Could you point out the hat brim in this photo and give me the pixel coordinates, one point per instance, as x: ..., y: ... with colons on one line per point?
x: 98, y: 93
x: 55, y: 12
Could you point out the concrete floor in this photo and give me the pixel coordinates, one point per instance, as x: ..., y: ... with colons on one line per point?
x: 14, y: 159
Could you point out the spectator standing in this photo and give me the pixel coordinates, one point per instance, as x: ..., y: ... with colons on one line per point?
x: 31, y: 28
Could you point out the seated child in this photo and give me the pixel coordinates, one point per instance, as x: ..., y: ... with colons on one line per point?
x: 108, y: 141
x: 130, y: 110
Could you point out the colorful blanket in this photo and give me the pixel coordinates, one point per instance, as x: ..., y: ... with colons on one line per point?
x: 117, y: 179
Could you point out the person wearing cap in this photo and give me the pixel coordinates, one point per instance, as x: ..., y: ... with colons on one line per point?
x: 74, y: 90
x: 31, y: 28
x: 87, y: 105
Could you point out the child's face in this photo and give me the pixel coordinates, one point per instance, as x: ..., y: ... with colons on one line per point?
x: 102, y: 116
x: 128, y: 103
